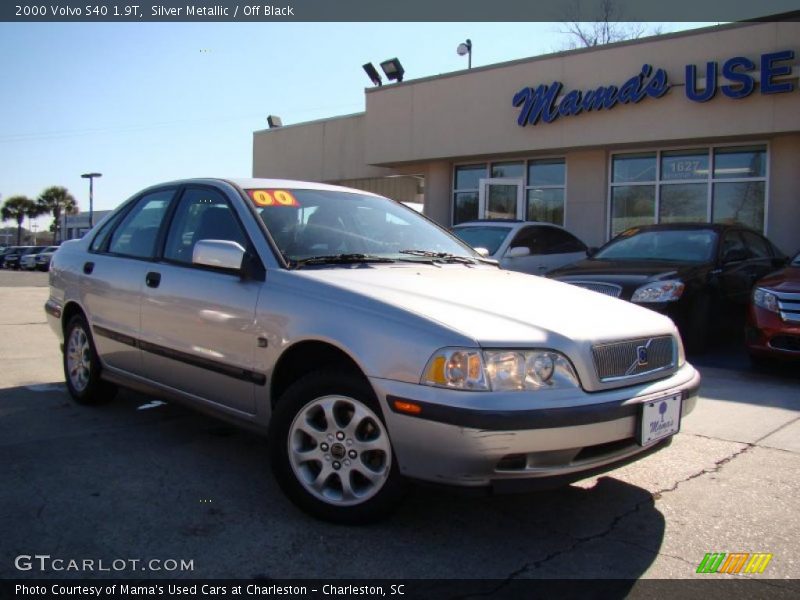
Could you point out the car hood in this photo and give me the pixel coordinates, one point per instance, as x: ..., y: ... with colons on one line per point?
x: 785, y: 280
x: 496, y: 307
x: 626, y: 272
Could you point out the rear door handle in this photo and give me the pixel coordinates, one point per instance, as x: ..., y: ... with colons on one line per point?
x: 88, y: 267
x: 152, y: 279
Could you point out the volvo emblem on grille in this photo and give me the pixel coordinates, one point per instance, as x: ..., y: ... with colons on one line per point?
x: 641, y: 359
x: 641, y: 355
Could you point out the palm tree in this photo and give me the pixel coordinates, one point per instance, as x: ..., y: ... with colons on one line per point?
x: 57, y: 200
x: 16, y: 209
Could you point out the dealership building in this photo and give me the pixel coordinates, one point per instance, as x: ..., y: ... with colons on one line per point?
x: 701, y: 125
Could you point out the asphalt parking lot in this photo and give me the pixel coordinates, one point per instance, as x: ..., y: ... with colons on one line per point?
x: 138, y: 479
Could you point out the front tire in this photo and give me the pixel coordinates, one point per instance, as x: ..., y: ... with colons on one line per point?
x: 330, y: 449
x: 82, y: 365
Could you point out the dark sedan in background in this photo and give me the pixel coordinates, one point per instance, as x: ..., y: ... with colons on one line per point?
x: 699, y: 274
x: 773, y: 320
x: 11, y: 259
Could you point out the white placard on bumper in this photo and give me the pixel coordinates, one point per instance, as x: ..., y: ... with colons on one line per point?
x: 660, y: 419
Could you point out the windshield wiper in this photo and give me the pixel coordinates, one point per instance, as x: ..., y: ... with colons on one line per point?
x: 441, y: 256
x: 339, y: 259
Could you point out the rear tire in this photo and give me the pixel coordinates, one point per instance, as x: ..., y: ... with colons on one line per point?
x: 82, y: 366
x: 330, y: 449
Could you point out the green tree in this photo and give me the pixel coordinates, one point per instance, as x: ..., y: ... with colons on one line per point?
x: 16, y: 209
x: 57, y: 201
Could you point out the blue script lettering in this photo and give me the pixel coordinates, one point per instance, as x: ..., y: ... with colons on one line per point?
x: 539, y: 104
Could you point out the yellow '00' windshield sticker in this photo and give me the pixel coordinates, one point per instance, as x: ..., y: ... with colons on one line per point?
x: 272, y: 198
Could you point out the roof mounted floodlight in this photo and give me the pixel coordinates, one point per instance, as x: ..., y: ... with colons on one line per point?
x: 466, y: 48
x: 373, y: 74
x: 393, y: 69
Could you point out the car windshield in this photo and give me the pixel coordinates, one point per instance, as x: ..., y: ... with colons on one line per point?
x: 796, y: 260
x: 483, y: 236
x: 682, y: 245
x: 351, y: 227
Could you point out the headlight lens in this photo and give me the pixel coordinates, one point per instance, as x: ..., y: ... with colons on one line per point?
x: 499, y: 370
x: 659, y: 291
x: 459, y: 368
x: 765, y: 299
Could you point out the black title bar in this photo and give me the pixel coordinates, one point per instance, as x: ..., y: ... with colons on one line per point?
x: 709, y: 588
x: 380, y: 10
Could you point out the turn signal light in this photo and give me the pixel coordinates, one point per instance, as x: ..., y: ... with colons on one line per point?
x: 407, y: 407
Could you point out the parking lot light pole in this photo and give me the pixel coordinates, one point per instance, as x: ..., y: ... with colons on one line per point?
x: 90, y: 177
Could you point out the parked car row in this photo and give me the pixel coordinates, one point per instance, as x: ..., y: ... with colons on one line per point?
x: 703, y: 276
x: 27, y: 257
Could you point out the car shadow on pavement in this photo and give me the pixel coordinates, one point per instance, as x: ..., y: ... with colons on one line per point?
x: 140, y: 479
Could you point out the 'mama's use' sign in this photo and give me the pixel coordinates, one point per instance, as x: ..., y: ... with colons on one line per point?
x: 547, y: 103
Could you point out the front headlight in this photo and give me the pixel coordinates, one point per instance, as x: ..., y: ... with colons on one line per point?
x: 499, y: 370
x: 459, y: 368
x: 765, y: 299
x: 659, y: 291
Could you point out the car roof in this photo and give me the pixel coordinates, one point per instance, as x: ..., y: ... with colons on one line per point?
x: 718, y: 227
x: 501, y: 222
x: 268, y: 183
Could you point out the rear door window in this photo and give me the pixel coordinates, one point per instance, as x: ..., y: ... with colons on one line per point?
x: 557, y: 241
x: 756, y: 245
x: 137, y: 233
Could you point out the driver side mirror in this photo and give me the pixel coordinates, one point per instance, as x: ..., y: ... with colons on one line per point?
x: 222, y: 254
x: 518, y: 252
x: 482, y: 251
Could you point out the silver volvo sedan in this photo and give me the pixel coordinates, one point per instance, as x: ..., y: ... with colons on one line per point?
x: 370, y: 344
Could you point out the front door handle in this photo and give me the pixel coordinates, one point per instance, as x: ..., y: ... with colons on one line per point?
x: 152, y: 279
x: 88, y: 267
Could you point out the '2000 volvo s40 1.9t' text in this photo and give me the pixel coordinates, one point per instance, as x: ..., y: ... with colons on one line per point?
x: 370, y: 344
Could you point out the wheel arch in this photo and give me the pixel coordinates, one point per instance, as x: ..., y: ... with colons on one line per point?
x: 71, y: 308
x: 307, y: 356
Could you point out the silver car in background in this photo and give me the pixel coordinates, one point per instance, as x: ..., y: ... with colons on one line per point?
x: 371, y: 345
x: 526, y: 246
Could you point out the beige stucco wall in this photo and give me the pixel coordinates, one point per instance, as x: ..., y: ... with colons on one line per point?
x: 783, y: 210
x: 326, y: 150
x: 587, y: 184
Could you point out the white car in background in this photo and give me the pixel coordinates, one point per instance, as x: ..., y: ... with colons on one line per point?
x: 526, y: 246
x: 29, y: 262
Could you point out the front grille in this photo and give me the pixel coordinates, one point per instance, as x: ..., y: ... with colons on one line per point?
x: 633, y: 358
x: 791, y: 343
x: 608, y: 289
x: 789, y: 306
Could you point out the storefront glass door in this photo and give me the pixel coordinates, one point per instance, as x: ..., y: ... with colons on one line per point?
x: 500, y: 199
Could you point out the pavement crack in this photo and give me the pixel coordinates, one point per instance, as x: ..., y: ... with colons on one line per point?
x: 715, y: 469
x: 579, y: 541
x: 509, y: 578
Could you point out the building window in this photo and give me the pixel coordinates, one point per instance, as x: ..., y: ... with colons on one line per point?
x: 544, y: 183
x: 465, y: 192
x: 720, y: 184
x: 544, y: 190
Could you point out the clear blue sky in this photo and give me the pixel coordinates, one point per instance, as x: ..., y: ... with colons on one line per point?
x: 144, y: 103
